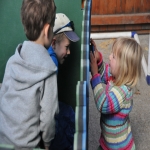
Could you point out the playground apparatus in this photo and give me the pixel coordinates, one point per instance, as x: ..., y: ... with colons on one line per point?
x: 74, y: 74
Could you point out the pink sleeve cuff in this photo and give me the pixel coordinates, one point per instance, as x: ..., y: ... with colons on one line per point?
x: 95, y: 76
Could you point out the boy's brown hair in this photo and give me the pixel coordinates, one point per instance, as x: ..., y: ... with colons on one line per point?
x: 35, y: 14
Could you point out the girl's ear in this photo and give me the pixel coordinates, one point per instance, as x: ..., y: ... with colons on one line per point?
x: 46, y: 29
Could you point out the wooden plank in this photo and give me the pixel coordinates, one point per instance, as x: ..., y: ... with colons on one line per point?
x: 99, y: 7
x: 104, y: 4
x: 129, y: 6
x: 145, y: 28
x: 120, y: 19
x: 95, y: 28
x: 111, y: 28
x: 136, y: 27
x: 103, y: 28
x: 146, y: 5
x: 124, y: 14
x: 143, y: 32
x: 120, y: 27
x: 120, y: 6
x: 111, y: 4
x: 133, y: 27
x: 95, y: 7
x: 137, y: 6
x: 101, y: 11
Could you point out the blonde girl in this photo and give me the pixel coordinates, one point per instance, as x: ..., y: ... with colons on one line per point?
x: 115, y: 101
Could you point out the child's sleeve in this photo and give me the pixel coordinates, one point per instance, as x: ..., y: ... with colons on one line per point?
x: 103, y: 70
x: 108, y: 102
x: 49, y: 108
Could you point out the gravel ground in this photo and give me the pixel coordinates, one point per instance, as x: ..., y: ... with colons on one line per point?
x: 140, y: 115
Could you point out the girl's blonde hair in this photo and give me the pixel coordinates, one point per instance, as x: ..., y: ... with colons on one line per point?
x: 129, y: 55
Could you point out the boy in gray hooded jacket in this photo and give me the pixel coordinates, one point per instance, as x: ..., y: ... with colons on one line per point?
x: 28, y: 96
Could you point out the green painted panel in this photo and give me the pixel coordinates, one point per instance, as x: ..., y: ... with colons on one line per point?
x: 11, y: 30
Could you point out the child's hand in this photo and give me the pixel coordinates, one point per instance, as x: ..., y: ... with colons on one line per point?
x: 96, y: 51
x: 93, y: 64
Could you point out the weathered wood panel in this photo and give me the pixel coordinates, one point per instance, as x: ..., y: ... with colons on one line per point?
x: 139, y: 18
x: 113, y: 15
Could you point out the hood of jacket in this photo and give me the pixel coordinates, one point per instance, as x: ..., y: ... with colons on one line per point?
x: 30, y: 64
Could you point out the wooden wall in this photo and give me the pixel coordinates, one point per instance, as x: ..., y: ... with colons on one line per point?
x: 120, y: 15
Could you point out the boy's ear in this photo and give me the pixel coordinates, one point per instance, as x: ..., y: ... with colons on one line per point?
x: 46, y: 29
x: 53, y: 42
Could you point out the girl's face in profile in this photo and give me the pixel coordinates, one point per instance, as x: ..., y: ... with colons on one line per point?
x: 114, y: 66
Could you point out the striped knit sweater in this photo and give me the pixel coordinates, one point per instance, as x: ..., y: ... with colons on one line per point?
x: 115, y: 104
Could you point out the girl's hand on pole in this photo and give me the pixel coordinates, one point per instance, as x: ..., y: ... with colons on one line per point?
x: 96, y: 51
x: 93, y: 64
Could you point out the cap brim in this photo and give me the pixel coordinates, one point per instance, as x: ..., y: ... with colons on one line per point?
x: 72, y: 36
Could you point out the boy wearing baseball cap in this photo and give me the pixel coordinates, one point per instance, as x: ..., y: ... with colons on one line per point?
x: 63, y: 36
x: 59, y: 50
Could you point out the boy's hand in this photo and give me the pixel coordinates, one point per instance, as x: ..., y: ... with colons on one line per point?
x: 93, y: 64
x: 96, y: 51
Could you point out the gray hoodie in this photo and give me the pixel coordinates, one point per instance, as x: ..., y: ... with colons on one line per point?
x: 28, y: 97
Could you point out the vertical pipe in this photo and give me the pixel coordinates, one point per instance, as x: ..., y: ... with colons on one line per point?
x: 149, y: 57
x: 143, y: 58
x: 148, y: 74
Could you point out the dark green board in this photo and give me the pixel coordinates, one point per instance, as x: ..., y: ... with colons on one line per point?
x: 11, y: 34
x: 11, y: 30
